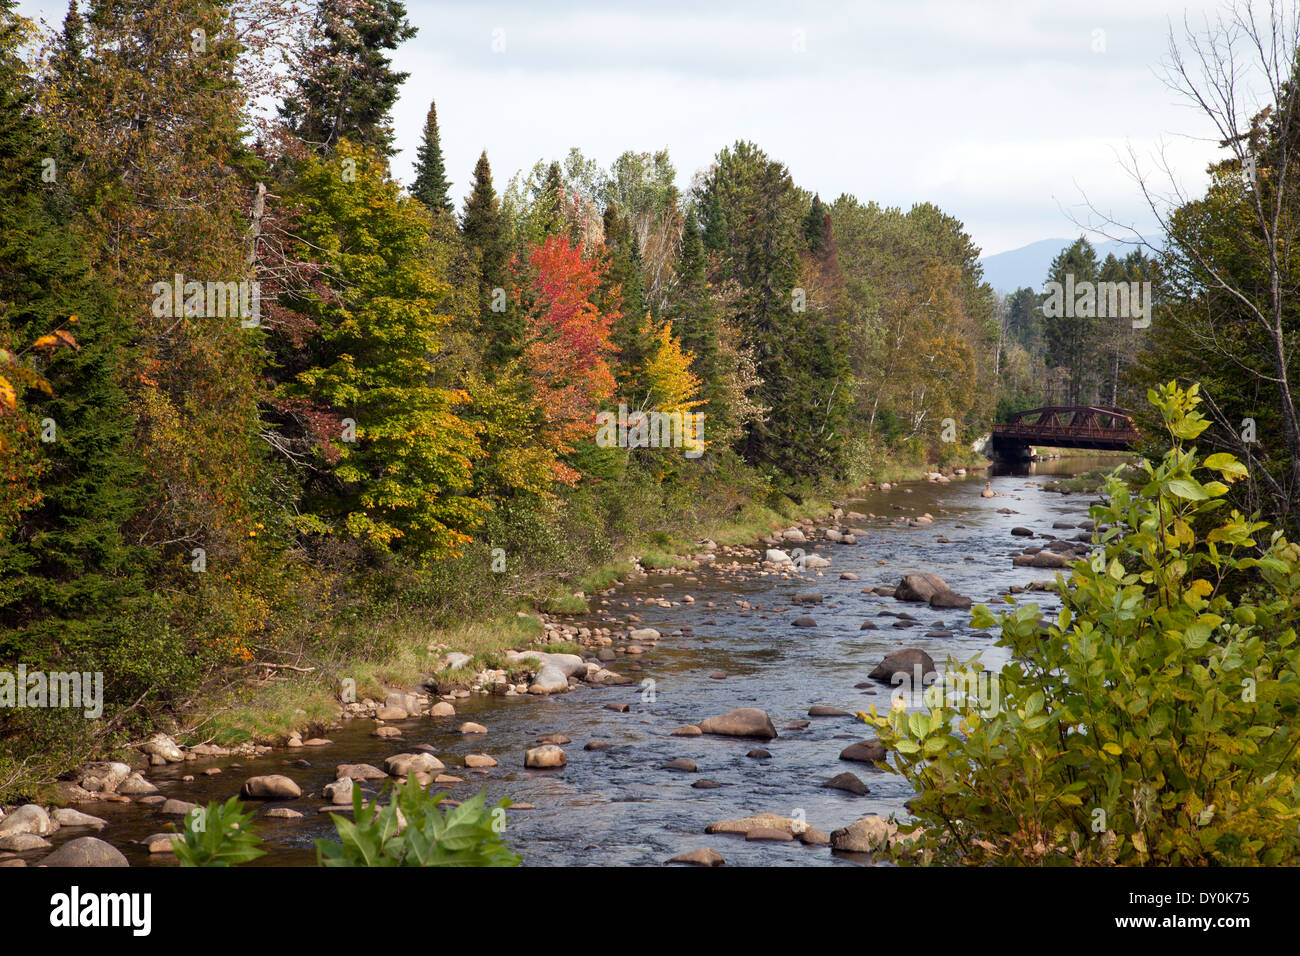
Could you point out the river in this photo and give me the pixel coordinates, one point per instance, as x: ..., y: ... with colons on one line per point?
x: 618, y: 806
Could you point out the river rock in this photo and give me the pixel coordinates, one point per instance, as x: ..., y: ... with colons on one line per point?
x: 808, y: 597
x: 870, y: 750
x: 29, y: 818
x: 104, y: 775
x: 865, y: 836
x: 942, y: 599
x: 769, y: 835
x: 363, y: 771
x: 86, y: 851
x: 340, y: 791
x: 847, y: 782
x: 1022, y: 532
x: 906, y: 661
x: 804, y: 621
x: 742, y: 722
x: 546, y: 757
x: 795, y: 536
x: 643, y: 634
x: 160, y: 745
x: 403, y: 765
x: 23, y: 842
x: 759, y: 821
x: 820, y: 710
x: 286, y: 813
x: 469, y: 727
x: 135, y: 785
x: 775, y: 556
x: 684, y: 764
x: 67, y: 817
x: 690, y: 730
x: 442, y: 709
x: 759, y: 754
x: 273, y: 786
x: 920, y: 587
x: 479, y: 760
x: 159, y: 842
x: 815, y: 561
x: 704, y: 857
x: 549, y: 680
x: 391, y: 713
x: 1049, y: 559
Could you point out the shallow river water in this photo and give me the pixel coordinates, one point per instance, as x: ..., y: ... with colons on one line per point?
x: 619, y: 806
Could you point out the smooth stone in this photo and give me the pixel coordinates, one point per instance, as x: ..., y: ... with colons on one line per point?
x: 86, y: 851
x: 273, y: 786
x: 546, y: 757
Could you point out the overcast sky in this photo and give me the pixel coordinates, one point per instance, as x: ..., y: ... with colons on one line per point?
x: 1005, y: 114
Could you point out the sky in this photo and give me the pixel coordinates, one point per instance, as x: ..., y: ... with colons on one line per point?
x: 1009, y: 115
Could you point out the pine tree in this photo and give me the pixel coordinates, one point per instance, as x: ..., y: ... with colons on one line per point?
x: 431, y: 186
x: 484, y: 231
x: 346, y: 86
x: 696, y: 315
x: 814, y: 225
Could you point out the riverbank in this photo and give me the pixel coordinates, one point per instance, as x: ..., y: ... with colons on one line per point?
x: 302, y: 695
x: 662, y: 653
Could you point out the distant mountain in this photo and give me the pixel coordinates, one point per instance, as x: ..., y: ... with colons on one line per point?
x: 1028, y: 265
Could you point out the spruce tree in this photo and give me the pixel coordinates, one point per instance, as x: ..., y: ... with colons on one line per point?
x: 431, y: 186
x: 347, y: 86
x: 484, y: 232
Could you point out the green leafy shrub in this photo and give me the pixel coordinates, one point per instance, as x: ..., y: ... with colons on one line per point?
x: 217, y: 835
x: 412, y: 830
x: 1155, y: 722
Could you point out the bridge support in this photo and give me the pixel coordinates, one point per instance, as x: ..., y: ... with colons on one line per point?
x: 1009, y: 450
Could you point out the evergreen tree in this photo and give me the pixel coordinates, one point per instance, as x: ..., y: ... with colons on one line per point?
x: 695, y: 315
x: 484, y: 232
x: 68, y: 573
x: 815, y: 225
x: 431, y: 186
x: 345, y: 84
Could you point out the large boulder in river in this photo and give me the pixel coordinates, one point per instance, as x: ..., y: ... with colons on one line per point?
x: 949, y: 599
x: 545, y: 757
x: 1049, y: 559
x: 86, y: 851
x: 742, y: 722
x: 776, y: 556
x: 920, y: 587
x: 273, y: 786
x: 549, y: 680
x: 911, y: 661
x: 865, y: 836
x: 361, y: 771
x: 870, y: 750
x: 403, y: 765
x: 30, y: 818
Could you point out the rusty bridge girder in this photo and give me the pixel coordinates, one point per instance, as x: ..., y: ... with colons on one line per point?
x: 1102, y: 427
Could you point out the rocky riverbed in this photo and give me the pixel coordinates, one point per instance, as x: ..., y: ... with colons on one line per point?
x: 709, y: 717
